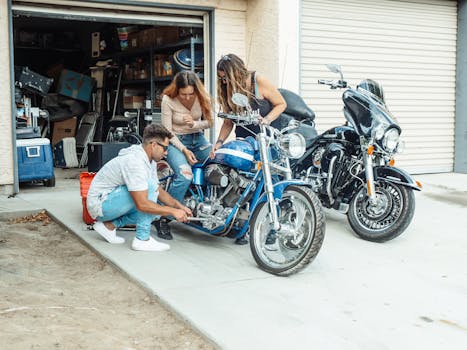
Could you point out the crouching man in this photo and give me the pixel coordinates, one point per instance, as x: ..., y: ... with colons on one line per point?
x: 126, y: 190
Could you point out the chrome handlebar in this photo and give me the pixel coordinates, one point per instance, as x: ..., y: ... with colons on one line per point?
x: 334, y: 84
x: 250, y: 118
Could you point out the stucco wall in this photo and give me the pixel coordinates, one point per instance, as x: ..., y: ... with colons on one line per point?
x: 229, y: 32
x: 262, y: 42
x: 289, y: 45
x: 6, y: 149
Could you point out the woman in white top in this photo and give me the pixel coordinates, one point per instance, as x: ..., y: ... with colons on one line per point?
x: 186, y: 112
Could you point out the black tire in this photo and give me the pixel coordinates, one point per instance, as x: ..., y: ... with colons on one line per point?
x: 390, y: 220
x: 50, y: 182
x: 309, y: 243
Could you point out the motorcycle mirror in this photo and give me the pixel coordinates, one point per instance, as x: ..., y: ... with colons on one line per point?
x: 240, y: 99
x: 335, y: 68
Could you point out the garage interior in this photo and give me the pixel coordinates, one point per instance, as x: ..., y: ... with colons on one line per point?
x: 90, y: 86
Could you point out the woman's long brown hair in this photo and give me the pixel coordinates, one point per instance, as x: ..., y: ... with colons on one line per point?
x: 236, y: 75
x: 187, y: 78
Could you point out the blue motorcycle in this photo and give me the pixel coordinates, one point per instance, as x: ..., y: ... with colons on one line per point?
x: 247, y: 191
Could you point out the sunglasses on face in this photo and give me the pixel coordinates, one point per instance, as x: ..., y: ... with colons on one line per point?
x: 162, y: 145
x: 223, y: 80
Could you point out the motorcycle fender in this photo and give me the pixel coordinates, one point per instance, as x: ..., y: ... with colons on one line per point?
x: 396, y: 176
x: 279, y: 188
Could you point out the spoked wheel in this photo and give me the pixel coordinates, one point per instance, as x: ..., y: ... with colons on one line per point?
x: 297, y: 242
x: 385, y: 219
x: 164, y: 173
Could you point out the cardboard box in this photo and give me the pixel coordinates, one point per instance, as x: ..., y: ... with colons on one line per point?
x: 133, y: 102
x: 75, y: 85
x: 158, y: 36
x: 64, y: 128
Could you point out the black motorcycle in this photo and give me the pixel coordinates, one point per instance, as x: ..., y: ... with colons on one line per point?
x: 350, y: 167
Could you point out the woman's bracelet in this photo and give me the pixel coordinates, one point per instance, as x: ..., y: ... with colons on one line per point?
x: 220, y: 141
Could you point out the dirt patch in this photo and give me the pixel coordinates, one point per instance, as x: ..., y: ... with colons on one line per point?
x: 57, y: 294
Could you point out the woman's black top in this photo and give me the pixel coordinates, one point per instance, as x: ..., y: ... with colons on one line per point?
x: 256, y: 103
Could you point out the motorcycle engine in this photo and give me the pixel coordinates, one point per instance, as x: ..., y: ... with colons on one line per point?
x: 317, y: 156
x: 224, y: 187
x: 324, y: 158
x: 326, y: 161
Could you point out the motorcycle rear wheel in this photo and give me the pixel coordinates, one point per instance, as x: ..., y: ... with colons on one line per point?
x: 290, y: 252
x: 386, y: 221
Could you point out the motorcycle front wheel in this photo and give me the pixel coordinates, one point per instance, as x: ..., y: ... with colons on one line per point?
x: 299, y: 239
x: 387, y: 218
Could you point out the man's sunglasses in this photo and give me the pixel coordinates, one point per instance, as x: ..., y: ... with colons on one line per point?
x: 162, y: 145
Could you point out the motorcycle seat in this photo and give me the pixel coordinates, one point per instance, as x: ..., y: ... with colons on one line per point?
x: 296, y: 107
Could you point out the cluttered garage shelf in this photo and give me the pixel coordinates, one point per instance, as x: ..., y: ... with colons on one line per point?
x: 86, y: 89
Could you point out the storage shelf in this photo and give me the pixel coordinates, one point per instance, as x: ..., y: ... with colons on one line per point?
x: 155, y: 49
x: 179, y: 44
x: 136, y: 81
x: 146, y: 81
x: 153, y: 83
x: 46, y: 50
x: 163, y: 79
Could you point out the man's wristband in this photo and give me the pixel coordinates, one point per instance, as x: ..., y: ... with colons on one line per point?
x: 220, y: 141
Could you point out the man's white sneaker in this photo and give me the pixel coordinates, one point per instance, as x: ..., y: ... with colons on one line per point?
x: 151, y: 245
x: 109, y: 235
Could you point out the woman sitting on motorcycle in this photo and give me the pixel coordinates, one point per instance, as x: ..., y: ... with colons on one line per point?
x: 233, y: 76
x: 186, y: 111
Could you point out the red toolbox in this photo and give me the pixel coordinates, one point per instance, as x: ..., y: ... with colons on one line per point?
x: 85, y: 180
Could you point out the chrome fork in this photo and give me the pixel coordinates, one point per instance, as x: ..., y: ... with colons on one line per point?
x: 263, y: 148
x: 370, y: 179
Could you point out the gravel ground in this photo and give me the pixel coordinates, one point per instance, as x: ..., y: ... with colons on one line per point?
x: 57, y: 294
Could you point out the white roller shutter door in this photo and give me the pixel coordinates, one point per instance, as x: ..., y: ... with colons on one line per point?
x: 409, y: 47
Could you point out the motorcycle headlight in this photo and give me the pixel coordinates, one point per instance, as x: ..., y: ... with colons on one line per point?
x: 391, y: 140
x: 292, y: 145
x: 378, y: 132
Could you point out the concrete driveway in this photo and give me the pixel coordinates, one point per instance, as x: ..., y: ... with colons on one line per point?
x: 409, y: 293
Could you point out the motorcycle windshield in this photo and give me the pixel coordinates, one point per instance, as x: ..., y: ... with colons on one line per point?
x: 364, y: 112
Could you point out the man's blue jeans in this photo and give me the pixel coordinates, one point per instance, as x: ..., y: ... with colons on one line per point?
x: 120, y: 209
x: 183, y: 175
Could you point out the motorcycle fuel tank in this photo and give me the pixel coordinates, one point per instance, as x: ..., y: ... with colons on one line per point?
x: 342, y: 132
x: 237, y: 154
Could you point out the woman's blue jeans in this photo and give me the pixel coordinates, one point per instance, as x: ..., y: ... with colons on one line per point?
x: 183, y: 175
x: 120, y: 209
